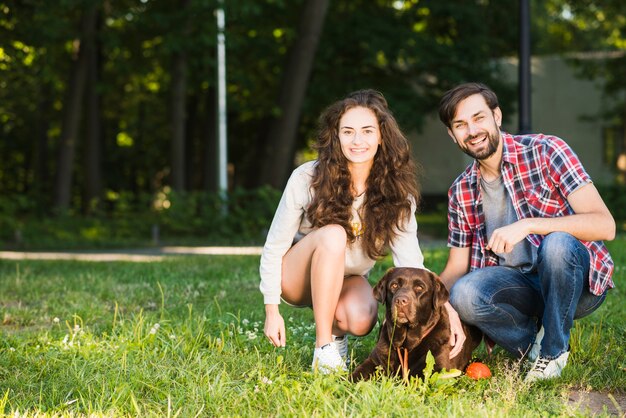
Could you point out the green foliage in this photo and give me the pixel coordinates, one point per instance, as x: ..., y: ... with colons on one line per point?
x: 200, y: 218
x: 593, y: 29
x: 411, y: 51
x: 184, y: 337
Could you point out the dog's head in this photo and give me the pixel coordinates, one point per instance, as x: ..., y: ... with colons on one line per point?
x: 413, y: 299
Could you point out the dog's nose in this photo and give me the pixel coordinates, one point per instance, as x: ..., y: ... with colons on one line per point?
x: 401, y: 300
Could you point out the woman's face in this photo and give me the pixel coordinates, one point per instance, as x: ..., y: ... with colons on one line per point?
x: 359, y: 135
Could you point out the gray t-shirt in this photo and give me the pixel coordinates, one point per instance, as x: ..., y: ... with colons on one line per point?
x: 499, y: 211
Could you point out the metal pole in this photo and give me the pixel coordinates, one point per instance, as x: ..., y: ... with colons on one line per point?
x: 221, y: 105
x: 524, y: 68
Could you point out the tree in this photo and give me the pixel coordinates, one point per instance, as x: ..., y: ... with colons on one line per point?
x: 281, y: 140
x: 92, y: 198
x: 179, y: 94
x: 155, y: 75
x: 594, y: 33
x: 72, y: 112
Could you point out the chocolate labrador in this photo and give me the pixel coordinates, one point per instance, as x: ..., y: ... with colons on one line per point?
x: 416, y: 322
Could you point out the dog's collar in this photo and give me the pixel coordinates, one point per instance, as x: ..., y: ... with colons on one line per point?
x: 424, y: 335
x: 429, y: 330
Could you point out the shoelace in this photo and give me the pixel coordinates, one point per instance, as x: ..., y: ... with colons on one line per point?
x: 541, y: 364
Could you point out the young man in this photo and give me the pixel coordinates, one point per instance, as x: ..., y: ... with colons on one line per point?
x: 525, y: 229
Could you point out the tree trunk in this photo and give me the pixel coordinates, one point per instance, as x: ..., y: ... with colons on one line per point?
x: 209, y: 141
x: 93, y: 146
x: 179, y: 86
x: 281, y: 140
x: 179, y: 89
x: 72, y: 115
x: 192, y: 156
x: 41, y: 186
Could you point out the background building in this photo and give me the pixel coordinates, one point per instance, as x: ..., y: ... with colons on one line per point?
x: 562, y: 105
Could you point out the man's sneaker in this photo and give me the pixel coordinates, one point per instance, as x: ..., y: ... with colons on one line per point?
x: 544, y: 368
x: 535, y: 349
x: 342, y: 347
x: 326, y: 359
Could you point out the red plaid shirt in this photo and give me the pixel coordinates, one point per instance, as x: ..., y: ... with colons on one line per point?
x: 539, y: 172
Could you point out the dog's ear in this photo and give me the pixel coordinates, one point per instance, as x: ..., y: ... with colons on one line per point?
x: 440, y: 293
x: 380, y: 290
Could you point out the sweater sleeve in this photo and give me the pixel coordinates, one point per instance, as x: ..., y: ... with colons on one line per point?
x: 405, y: 248
x: 287, y: 220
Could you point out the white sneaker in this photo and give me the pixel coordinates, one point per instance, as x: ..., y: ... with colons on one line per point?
x: 535, y: 349
x: 342, y: 347
x: 326, y: 359
x: 544, y: 368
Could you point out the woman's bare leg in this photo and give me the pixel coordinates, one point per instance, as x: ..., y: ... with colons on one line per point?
x: 357, y: 310
x: 312, y: 274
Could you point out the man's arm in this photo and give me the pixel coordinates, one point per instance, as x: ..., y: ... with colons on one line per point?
x: 457, y: 265
x: 591, y: 221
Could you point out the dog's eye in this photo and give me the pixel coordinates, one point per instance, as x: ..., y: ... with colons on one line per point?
x: 393, y: 286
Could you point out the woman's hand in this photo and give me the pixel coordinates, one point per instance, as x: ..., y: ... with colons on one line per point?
x: 274, y: 326
x: 457, y: 336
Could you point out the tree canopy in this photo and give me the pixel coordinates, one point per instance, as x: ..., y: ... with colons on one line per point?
x: 143, y: 117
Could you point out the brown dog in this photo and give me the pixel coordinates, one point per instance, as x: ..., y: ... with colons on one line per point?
x: 416, y: 322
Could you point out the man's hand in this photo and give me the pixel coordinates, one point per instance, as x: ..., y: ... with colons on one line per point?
x: 504, y: 239
x: 457, y: 336
x: 274, y: 326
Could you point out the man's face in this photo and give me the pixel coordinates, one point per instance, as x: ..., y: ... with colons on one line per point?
x: 476, y: 128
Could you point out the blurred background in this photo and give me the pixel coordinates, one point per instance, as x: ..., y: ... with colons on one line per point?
x: 109, y: 110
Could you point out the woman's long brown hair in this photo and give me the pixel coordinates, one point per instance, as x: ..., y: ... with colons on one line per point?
x: 391, y: 184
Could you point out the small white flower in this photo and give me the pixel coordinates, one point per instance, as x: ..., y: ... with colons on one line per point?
x: 76, y: 328
x: 155, y: 328
x: 172, y: 337
x: 245, y: 322
x: 56, y: 320
x: 266, y: 380
x: 12, y: 349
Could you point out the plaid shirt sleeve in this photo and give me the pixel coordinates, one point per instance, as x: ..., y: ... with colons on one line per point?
x: 566, y: 170
x: 459, y: 230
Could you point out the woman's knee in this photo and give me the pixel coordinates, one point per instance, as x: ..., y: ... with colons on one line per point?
x: 357, y: 316
x: 332, y: 238
x: 362, y: 319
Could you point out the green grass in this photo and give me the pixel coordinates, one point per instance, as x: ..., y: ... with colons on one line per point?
x: 80, y: 338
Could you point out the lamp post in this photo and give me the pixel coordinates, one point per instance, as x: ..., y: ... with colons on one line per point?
x: 221, y: 107
x: 524, y: 71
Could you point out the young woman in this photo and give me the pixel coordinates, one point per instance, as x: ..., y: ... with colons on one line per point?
x: 337, y: 216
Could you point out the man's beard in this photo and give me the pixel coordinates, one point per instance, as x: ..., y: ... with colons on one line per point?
x: 488, y: 151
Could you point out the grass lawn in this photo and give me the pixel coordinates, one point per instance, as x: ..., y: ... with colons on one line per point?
x: 184, y: 337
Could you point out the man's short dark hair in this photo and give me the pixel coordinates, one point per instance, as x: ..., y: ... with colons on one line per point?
x: 452, y: 98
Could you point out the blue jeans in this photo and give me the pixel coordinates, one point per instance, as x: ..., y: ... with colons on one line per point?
x: 509, y: 306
